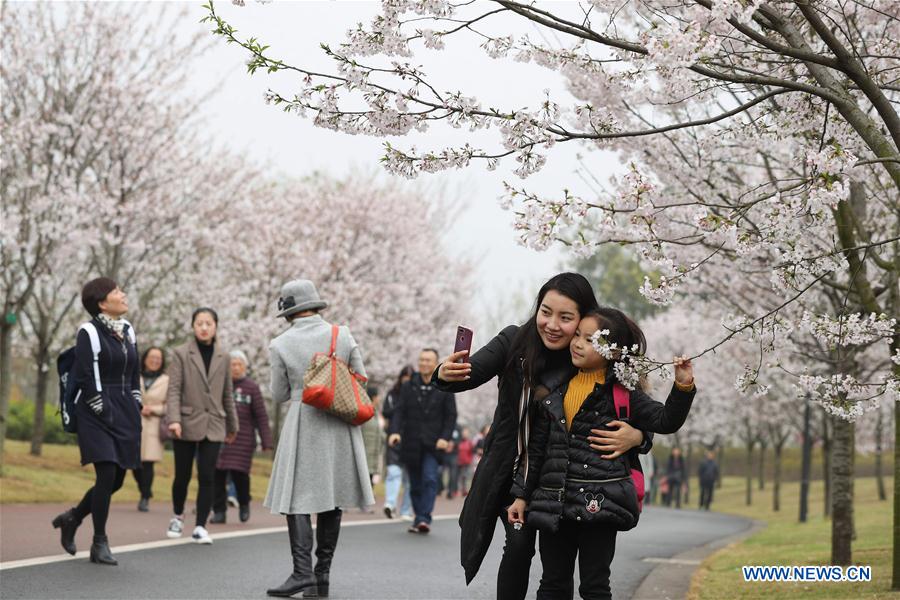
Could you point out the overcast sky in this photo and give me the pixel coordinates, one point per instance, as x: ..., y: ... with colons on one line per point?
x: 237, y: 113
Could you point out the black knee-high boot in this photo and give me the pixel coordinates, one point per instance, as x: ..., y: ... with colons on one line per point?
x: 302, y: 578
x: 328, y: 528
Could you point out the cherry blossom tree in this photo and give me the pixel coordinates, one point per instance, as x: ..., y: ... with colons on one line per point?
x: 104, y: 172
x: 760, y: 138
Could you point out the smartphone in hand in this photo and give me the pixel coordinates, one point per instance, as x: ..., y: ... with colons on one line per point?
x: 464, y: 337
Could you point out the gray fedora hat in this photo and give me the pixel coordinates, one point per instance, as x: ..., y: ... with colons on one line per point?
x: 299, y: 295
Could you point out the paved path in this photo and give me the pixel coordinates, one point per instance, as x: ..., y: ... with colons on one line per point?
x: 376, y: 560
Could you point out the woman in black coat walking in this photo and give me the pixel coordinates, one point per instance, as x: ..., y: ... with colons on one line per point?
x: 519, y: 357
x: 108, y: 411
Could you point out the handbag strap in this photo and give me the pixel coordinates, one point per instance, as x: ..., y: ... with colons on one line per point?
x: 334, y: 337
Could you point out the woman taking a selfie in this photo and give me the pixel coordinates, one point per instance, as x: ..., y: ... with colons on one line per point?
x: 520, y: 356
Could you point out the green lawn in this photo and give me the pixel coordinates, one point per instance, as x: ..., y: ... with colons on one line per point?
x: 57, y: 476
x: 785, y: 541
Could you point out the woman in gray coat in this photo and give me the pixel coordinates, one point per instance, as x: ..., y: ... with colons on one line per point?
x: 320, y: 465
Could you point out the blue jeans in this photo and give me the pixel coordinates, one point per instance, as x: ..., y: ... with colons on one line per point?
x: 424, y: 484
x: 395, y: 476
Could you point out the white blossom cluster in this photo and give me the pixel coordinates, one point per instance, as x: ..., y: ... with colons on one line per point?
x: 847, y: 330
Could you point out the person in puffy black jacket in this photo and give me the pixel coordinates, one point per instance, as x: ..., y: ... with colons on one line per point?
x: 577, y: 500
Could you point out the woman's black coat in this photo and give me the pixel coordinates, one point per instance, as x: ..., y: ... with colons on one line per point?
x: 489, y: 492
x: 115, y: 434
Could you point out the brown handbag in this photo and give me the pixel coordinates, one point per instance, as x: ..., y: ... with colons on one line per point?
x: 331, y: 385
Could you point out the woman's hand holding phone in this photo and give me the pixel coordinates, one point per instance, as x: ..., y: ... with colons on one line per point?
x: 451, y: 370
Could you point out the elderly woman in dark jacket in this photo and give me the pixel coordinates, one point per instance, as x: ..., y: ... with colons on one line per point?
x: 108, y: 413
x: 235, y: 460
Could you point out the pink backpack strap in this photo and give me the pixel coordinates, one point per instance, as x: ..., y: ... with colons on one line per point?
x: 622, y: 402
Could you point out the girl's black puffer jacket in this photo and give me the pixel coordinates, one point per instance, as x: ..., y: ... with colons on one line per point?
x: 567, y: 479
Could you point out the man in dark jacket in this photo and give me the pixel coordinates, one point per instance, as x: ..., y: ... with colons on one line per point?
x: 709, y: 473
x: 676, y: 474
x: 424, y: 420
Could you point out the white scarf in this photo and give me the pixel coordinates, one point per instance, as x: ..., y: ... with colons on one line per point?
x: 116, y: 326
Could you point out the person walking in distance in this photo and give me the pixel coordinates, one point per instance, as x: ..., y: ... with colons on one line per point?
x: 423, y: 423
x: 320, y: 466
x: 235, y: 460
x: 675, y: 474
x: 109, y: 413
x: 709, y: 474
x: 154, y: 387
x: 201, y: 415
x: 464, y: 460
x: 374, y: 437
x: 397, y: 474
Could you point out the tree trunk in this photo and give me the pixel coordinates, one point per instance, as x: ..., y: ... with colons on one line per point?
x: 842, y: 493
x: 879, y: 451
x: 721, y: 466
x: 776, y: 478
x: 42, y: 362
x: 895, y: 566
x: 806, y: 464
x: 826, y: 461
x: 749, y: 496
x: 763, y: 446
x: 40, y: 401
x: 6, y: 331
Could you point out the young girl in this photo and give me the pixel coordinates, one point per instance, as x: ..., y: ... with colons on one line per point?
x: 577, y: 499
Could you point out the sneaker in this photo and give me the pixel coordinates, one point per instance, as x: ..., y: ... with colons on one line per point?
x: 233, y: 501
x: 388, y: 511
x: 218, y: 518
x: 413, y: 529
x: 176, y: 526
x: 244, y: 513
x: 144, y: 505
x: 201, y: 535
x: 423, y: 527
x: 406, y: 518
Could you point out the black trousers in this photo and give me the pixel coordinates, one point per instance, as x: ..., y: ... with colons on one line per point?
x: 241, y: 486
x: 515, y: 564
x: 207, y: 453
x: 144, y: 479
x: 674, y: 494
x: 518, y: 551
x: 108, y: 479
x: 706, y: 494
x: 594, y: 546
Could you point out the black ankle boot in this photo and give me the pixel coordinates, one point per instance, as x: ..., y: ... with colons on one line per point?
x: 302, y: 578
x: 328, y: 528
x: 67, y: 523
x: 100, y: 552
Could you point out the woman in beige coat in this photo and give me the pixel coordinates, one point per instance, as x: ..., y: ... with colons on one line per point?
x: 154, y: 385
x: 201, y: 415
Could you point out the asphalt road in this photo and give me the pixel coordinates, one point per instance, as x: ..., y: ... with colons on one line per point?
x: 373, y: 561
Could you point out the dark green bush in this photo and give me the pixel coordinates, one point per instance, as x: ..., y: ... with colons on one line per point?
x: 20, y: 424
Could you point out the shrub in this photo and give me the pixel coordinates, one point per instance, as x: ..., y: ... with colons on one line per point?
x: 20, y: 423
